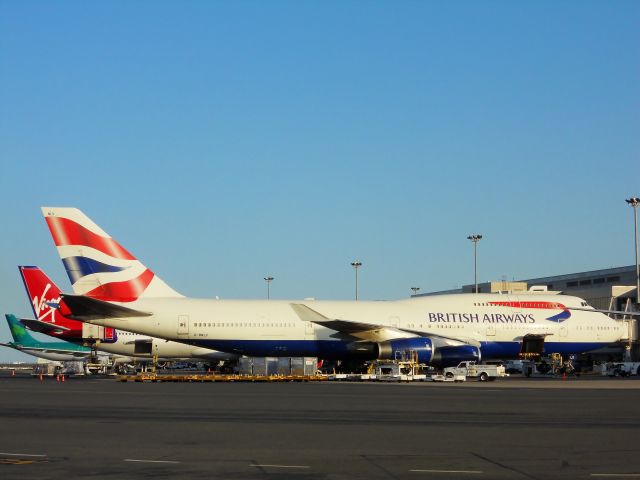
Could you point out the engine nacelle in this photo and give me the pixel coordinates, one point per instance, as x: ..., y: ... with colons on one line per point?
x: 452, y: 355
x: 395, y: 349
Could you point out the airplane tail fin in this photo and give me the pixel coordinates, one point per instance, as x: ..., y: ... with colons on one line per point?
x: 45, y: 296
x: 19, y: 332
x: 97, y: 265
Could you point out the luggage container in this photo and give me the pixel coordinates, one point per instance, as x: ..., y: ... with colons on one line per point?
x: 264, y: 366
x: 303, y: 365
x: 245, y: 366
x: 284, y: 366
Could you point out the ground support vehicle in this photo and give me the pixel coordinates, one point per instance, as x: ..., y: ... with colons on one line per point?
x: 623, y: 369
x: 470, y: 369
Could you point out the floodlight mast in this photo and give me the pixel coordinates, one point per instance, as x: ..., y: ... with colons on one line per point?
x: 356, y: 265
x: 475, y: 238
x: 634, y: 202
x: 268, y: 279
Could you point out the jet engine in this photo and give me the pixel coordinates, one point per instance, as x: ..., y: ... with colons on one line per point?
x: 452, y: 355
x: 394, y: 349
x: 430, y: 351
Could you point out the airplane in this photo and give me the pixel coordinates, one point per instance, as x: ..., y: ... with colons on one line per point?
x: 44, y: 296
x: 57, y: 351
x: 113, y: 288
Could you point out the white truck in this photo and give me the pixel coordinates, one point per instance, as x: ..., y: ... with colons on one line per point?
x: 623, y: 369
x: 470, y: 369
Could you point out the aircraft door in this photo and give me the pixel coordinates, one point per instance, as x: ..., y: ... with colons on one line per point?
x: 94, y: 332
x: 308, y: 330
x: 183, y: 325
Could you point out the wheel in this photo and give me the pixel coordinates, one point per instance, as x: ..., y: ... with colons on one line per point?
x: 484, y: 376
x: 638, y: 371
x: 449, y: 375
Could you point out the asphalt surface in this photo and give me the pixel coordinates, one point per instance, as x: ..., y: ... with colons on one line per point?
x: 510, y: 429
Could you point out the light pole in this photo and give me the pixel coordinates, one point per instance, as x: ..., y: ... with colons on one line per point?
x: 415, y: 290
x: 634, y: 202
x: 268, y: 279
x: 357, y: 264
x: 475, y: 239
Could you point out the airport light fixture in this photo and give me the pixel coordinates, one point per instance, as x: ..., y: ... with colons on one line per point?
x: 475, y: 238
x: 415, y: 290
x: 634, y: 202
x: 356, y: 265
x: 268, y: 279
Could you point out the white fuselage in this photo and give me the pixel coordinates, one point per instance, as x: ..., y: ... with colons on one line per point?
x: 269, y: 327
x: 145, y: 346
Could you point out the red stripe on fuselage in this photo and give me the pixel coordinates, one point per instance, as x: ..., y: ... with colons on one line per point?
x: 539, y: 305
x: 127, y: 291
x: 68, y: 232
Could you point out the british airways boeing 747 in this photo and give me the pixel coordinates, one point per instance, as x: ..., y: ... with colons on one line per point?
x: 112, y: 288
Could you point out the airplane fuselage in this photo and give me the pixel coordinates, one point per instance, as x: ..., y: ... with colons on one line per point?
x: 496, y: 323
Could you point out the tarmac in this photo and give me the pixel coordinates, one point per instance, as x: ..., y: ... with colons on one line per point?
x: 508, y: 429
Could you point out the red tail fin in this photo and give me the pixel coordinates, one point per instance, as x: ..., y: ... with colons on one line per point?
x: 44, y: 296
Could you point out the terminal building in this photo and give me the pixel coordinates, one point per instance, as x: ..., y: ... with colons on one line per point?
x: 607, y: 289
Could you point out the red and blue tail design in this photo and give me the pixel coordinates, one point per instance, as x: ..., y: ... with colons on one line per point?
x: 97, y: 265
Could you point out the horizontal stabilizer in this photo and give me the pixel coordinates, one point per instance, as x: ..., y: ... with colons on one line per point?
x: 43, y: 327
x: 86, y: 308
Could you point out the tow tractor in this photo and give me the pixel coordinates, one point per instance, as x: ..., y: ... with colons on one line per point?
x: 470, y: 369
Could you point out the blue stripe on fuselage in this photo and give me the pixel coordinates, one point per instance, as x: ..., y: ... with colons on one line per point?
x: 337, y: 349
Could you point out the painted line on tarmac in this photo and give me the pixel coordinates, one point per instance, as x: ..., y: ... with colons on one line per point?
x: 616, y: 475
x: 474, y: 472
x: 149, y: 461
x: 278, y: 466
x: 6, y: 454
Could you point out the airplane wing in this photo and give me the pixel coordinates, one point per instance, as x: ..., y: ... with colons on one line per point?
x: 84, y: 308
x: 43, y: 327
x: 613, y: 312
x: 368, y: 331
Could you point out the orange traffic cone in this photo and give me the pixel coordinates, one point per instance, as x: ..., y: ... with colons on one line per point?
x: 13, y: 373
x: 564, y: 375
x: 40, y: 377
x: 62, y: 378
x: 58, y: 378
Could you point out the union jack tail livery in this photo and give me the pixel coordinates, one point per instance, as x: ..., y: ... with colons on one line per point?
x: 97, y: 265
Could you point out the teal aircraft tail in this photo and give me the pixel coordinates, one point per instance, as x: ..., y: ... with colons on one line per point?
x: 19, y: 332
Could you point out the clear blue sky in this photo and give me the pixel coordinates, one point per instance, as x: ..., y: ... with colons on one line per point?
x: 224, y: 141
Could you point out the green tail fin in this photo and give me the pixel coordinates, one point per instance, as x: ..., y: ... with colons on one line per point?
x: 19, y: 331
